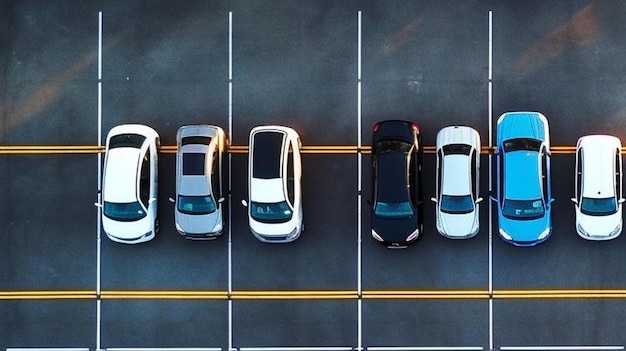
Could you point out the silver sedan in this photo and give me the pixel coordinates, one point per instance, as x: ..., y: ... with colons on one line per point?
x: 199, y: 186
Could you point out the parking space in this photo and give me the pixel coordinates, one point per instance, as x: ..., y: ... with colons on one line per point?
x: 425, y: 323
x: 158, y: 323
x: 53, y: 323
x: 48, y: 236
x: 166, y: 64
x: 289, y: 323
x: 324, y: 257
x: 558, y: 322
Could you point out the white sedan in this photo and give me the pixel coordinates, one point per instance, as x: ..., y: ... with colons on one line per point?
x: 457, y: 182
x: 274, y: 184
x: 129, y: 184
x: 598, y: 187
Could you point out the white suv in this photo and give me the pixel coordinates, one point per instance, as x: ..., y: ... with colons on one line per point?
x: 598, y: 187
x: 274, y: 184
x: 129, y: 184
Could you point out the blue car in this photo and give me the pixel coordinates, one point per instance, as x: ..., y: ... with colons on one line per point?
x: 523, y: 166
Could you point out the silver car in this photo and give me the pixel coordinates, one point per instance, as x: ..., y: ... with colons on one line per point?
x: 199, y: 195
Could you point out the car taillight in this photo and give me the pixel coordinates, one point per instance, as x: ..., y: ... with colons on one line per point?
x: 415, y: 127
x: 375, y: 127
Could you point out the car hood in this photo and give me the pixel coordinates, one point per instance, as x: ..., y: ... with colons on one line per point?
x: 458, y: 225
x: 394, y: 230
x: 126, y: 230
x: 200, y: 224
x: 525, y: 231
x: 524, y: 125
x: 599, y: 226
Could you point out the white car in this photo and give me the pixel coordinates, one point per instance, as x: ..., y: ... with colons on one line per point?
x: 274, y: 184
x: 598, y: 187
x: 129, y: 184
x: 199, y: 187
x: 457, y: 182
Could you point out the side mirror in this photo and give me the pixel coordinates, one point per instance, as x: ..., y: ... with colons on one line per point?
x: 479, y: 200
x: 171, y: 199
x: 621, y: 201
x: 97, y: 204
x: 220, y: 200
x: 550, y: 201
x: 433, y: 199
x: 493, y: 199
x: 152, y: 200
x: 244, y: 203
x: 574, y: 200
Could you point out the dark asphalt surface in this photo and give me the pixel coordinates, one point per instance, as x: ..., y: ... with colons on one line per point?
x: 165, y: 64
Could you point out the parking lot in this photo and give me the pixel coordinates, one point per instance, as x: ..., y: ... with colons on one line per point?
x: 330, y: 69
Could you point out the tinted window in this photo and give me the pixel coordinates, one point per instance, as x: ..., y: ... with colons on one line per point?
x: 393, y: 210
x: 196, y: 140
x: 457, y: 149
x: 216, y: 175
x: 579, y: 174
x: 266, y: 159
x: 193, y: 163
x: 522, y: 144
x: 474, y: 179
x: 144, y: 181
x: 270, y: 212
x: 196, y: 205
x: 124, y: 212
x: 457, y: 204
x: 598, y: 207
x: 523, y: 209
x: 126, y: 140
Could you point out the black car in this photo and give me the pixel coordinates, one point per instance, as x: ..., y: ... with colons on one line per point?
x: 396, y: 173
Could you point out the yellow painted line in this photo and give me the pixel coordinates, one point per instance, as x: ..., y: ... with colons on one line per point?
x: 314, y: 294
x: 165, y: 294
x: 47, y: 295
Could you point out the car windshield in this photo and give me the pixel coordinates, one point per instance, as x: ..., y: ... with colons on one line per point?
x: 196, y: 205
x: 125, y: 211
x: 519, y: 144
x: 457, y: 204
x: 393, y: 146
x: 523, y: 209
x: 598, y: 207
x: 278, y: 212
x: 395, y: 210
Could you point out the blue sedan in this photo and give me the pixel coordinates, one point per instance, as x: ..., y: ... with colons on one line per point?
x: 524, y: 194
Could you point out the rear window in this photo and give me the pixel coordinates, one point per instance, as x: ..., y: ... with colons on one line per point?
x: 266, y: 159
x: 126, y: 140
x: 522, y: 144
x: 193, y: 163
x: 196, y: 140
x: 457, y: 149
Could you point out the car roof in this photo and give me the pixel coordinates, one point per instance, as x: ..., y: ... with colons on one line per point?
x: 267, y: 149
x: 392, y: 177
x: 599, y: 165
x: 195, y: 169
x: 456, y: 175
x: 120, y: 181
x: 521, y: 178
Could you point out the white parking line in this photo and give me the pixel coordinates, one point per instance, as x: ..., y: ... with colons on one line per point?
x: 560, y: 348
x: 330, y: 348
x: 230, y: 167
x: 425, y: 348
x: 490, y: 117
x: 167, y: 349
x: 98, y: 209
x: 359, y: 197
x: 46, y: 349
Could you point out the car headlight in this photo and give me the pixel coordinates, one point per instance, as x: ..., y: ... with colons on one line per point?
x: 413, y: 235
x: 505, y: 234
x: 581, y: 230
x: 544, y: 234
x: 617, y: 230
x: 376, y: 236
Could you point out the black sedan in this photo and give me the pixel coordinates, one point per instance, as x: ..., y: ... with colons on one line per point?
x: 396, y: 173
